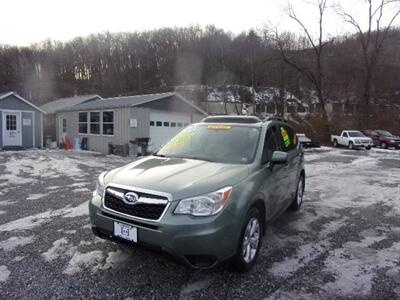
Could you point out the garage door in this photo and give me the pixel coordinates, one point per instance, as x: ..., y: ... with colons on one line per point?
x: 165, y: 125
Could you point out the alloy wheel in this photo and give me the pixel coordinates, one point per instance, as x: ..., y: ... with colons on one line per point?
x: 251, y: 240
x: 300, y: 192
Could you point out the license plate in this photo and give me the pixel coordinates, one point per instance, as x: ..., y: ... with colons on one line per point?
x: 125, y: 231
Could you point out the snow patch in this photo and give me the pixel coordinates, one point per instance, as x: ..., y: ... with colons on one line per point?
x: 115, y: 258
x: 33, y: 221
x: 36, y: 196
x: 16, y: 241
x: 84, y: 260
x: 304, y: 255
x: 61, y: 247
x: 18, y: 258
x: 4, y: 273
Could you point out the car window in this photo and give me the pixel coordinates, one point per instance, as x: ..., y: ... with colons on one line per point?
x: 222, y: 143
x: 287, y: 138
x: 345, y: 134
x: 270, y: 144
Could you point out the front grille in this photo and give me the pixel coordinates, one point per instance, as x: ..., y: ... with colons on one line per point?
x: 140, y: 210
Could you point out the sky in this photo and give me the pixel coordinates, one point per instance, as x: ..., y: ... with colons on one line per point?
x: 24, y: 22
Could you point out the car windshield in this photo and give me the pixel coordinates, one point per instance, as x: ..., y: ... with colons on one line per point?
x: 214, y: 142
x: 356, y: 134
x: 385, y: 133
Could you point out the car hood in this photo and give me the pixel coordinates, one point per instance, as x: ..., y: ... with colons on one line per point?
x: 179, y: 177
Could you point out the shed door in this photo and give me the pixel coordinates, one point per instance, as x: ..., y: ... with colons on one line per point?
x: 62, y: 129
x: 12, y: 129
x: 164, y: 126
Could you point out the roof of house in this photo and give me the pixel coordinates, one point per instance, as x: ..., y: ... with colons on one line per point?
x: 4, y: 95
x: 129, y: 101
x: 68, y: 102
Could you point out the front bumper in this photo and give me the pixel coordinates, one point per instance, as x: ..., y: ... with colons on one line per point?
x: 200, y: 242
x: 394, y: 145
x: 363, y: 145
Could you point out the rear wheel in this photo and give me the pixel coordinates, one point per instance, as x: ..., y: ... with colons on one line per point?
x: 298, y: 200
x: 250, y: 241
x: 383, y: 145
x: 351, y: 145
x: 335, y: 143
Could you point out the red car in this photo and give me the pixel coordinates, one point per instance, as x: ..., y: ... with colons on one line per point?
x: 383, y: 138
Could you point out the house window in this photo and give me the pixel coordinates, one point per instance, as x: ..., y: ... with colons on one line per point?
x: 83, y: 122
x: 166, y: 124
x: 64, y: 125
x: 180, y: 124
x: 11, y: 122
x: 108, y: 123
x: 159, y: 123
x: 151, y: 123
x: 173, y: 124
x: 94, y: 122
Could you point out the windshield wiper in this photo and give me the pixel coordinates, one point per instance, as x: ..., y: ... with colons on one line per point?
x: 198, y: 158
x: 158, y: 155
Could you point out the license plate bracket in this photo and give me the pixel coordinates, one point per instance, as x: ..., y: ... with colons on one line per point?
x: 125, y: 231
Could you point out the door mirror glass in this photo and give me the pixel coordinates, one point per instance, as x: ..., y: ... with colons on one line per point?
x: 279, y: 157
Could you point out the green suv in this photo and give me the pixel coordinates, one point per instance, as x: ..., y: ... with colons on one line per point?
x: 207, y: 195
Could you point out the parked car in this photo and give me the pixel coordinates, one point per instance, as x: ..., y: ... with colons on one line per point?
x: 383, y: 138
x: 306, y: 142
x: 352, y: 139
x: 208, y: 194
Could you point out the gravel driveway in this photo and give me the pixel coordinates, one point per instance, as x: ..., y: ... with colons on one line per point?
x: 344, y: 243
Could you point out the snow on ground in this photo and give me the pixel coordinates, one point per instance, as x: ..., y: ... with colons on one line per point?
x: 28, y: 169
x: 4, y: 273
x: 16, y: 241
x: 343, y: 243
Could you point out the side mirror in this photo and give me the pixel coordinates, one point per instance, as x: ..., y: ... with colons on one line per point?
x: 279, y: 158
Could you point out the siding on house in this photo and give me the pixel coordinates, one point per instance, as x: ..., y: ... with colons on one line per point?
x: 59, y: 105
x: 122, y: 132
x: 1, y: 129
x: 13, y: 103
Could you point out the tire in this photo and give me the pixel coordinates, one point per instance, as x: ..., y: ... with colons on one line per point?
x: 351, y: 145
x: 384, y: 145
x: 248, y: 251
x: 335, y: 143
x: 298, y: 199
x: 368, y: 148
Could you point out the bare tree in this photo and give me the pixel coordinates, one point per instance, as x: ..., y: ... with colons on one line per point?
x: 371, y: 43
x: 313, y: 72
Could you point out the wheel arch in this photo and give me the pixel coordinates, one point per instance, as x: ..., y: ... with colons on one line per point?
x: 260, y: 205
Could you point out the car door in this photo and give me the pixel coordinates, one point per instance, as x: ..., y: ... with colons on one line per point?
x: 288, y: 144
x: 345, y: 139
x: 275, y: 176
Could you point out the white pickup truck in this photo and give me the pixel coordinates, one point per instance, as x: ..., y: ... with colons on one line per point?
x: 352, y: 139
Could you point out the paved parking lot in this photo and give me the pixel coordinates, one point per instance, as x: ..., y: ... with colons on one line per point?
x: 344, y: 243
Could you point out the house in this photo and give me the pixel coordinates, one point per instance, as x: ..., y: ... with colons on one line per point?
x: 60, y: 104
x: 21, y: 122
x: 121, y: 120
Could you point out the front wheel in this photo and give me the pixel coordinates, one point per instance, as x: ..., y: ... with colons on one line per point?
x: 298, y: 200
x: 249, y: 242
x: 335, y: 143
x: 351, y: 146
x: 384, y: 145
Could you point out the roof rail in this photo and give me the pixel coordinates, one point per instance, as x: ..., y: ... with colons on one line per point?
x: 232, y: 119
x: 277, y: 118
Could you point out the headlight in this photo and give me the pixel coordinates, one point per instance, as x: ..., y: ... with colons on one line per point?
x: 392, y: 141
x: 357, y: 141
x: 100, y: 184
x: 204, y: 205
